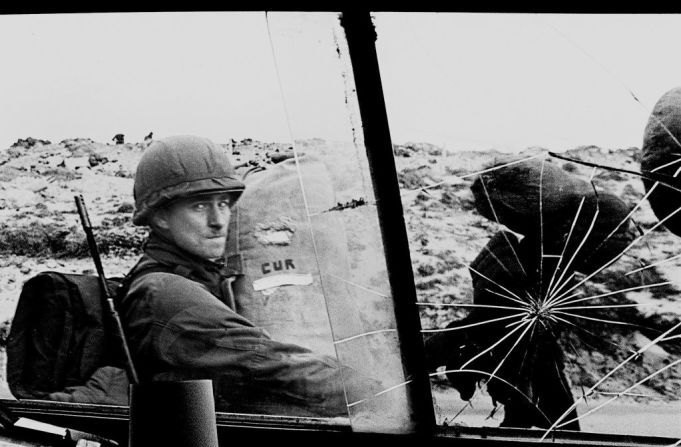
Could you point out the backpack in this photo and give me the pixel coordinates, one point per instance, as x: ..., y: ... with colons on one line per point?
x: 59, y: 335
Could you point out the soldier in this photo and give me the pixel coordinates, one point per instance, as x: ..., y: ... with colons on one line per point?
x: 525, y: 374
x: 176, y: 313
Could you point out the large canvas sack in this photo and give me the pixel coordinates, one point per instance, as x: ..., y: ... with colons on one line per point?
x: 591, y: 241
x: 294, y: 257
x: 516, y: 194
x: 661, y: 148
x: 582, y: 242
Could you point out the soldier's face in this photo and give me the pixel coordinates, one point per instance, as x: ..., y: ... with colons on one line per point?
x: 198, y: 224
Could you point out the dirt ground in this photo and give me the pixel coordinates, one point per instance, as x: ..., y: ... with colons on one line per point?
x: 618, y: 417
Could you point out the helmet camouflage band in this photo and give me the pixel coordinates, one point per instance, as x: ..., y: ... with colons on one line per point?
x: 181, y: 166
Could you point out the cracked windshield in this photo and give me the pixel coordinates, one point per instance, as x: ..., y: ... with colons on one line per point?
x: 537, y: 157
x: 222, y: 180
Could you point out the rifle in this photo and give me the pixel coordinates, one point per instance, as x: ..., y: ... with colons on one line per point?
x: 33, y: 430
x: 104, y: 285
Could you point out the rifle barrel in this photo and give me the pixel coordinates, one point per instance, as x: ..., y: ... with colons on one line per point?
x: 113, y: 313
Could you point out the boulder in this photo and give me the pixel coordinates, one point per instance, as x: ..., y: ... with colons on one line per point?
x: 30, y: 142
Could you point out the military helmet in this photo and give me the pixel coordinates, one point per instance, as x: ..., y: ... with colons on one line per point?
x: 181, y: 166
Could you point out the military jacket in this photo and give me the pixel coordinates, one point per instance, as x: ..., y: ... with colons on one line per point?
x: 180, y: 326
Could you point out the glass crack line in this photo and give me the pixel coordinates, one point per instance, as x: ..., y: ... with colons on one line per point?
x: 484, y: 171
x: 631, y: 213
x: 517, y: 298
x: 599, y: 320
x: 530, y: 325
x: 366, y: 289
x: 605, y: 306
x: 494, y: 345
x: 496, y: 218
x: 634, y: 242
x: 466, y: 326
x: 485, y: 373
x: 654, y: 264
x: 622, y: 393
x: 562, y: 254
x: 364, y: 334
x: 608, y: 375
x: 574, y: 255
x: 394, y: 387
x: 477, y: 306
x: 559, y: 304
x: 522, y: 303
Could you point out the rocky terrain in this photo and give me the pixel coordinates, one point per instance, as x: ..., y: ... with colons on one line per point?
x: 40, y: 230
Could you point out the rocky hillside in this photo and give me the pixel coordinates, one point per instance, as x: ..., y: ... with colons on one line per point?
x: 40, y: 230
x: 39, y: 224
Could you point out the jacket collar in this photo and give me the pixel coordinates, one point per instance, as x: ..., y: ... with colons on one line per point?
x: 165, y: 252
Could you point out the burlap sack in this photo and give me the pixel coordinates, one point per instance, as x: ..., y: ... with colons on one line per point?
x: 661, y: 147
x: 528, y: 195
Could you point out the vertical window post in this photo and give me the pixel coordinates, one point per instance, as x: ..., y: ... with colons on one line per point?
x: 361, y: 39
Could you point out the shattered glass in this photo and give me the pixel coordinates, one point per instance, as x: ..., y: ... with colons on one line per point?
x: 547, y: 275
x: 547, y: 280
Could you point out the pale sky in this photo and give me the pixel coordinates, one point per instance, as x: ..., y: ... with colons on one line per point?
x: 465, y: 81
x: 517, y: 80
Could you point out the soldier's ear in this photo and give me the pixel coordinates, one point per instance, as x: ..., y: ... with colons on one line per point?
x: 159, y: 219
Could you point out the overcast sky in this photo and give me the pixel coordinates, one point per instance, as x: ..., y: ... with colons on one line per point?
x: 465, y: 81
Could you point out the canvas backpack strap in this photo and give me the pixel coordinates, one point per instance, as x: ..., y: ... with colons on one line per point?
x: 143, y: 267
x: 234, y: 262
x: 234, y: 259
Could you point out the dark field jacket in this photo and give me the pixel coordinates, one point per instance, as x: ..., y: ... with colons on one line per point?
x: 180, y: 327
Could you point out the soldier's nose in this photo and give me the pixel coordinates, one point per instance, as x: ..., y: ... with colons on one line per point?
x: 218, y: 217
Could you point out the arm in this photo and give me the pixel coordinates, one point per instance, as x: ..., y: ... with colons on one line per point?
x: 177, y: 327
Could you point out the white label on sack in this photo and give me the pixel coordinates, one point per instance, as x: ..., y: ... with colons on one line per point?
x: 285, y: 279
